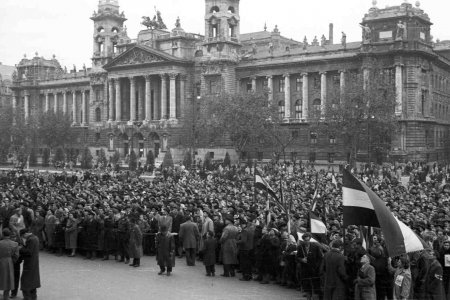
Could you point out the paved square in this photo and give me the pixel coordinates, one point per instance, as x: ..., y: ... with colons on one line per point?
x: 76, y: 278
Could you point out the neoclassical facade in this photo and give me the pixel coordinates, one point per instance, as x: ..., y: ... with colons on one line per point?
x: 137, y: 92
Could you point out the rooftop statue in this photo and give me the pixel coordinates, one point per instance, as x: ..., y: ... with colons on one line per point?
x: 155, y: 23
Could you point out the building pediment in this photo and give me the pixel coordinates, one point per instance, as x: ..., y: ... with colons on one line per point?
x: 141, y: 55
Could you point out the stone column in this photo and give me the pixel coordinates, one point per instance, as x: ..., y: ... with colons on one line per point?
x: 163, y: 96
x: 14, y: 106
x: 183, y: 79
x: 83, y: 108
x: 74, y: 107
x: 365, y: 78
x: 111, y: 99
x: 305, y: 96
x: 253, y: 79
x: 342, y: 85
x: 287, y: 96
x: 141, y: 103
x: 47, y: 102
x: 323, y: 91
x: 148, y: 98
x: 173, y: 96
x: 27, y: 106
x: 270, y: 87
x: 65, y: 108
x: 132, y: 99
x: 118, y: 102
x: 399, y: 89
x: 55, y: 102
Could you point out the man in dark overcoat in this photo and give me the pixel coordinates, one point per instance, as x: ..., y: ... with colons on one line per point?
x: 334, y: 272
x: 309, y: 256
x: 30, y: 280
x: 92, y: 228
x: 9, y: 252
x: 189, y: 236
x: 165, y: 250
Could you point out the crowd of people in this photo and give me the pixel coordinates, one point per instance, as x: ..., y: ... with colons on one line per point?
x: 219, y: 217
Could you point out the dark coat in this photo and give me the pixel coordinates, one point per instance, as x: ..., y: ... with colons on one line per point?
x: 59, y: 233
x: 434, y: 289
x: 135, y: 242
x: 189, y: 234
x: 30, y: 253
x: 165, y: 249
x: 335, y: 275
x: 209, y: 252
x: 91, y: 229
x: 9, y: 252
x: 110, y: 239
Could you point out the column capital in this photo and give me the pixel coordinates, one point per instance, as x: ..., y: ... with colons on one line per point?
x: 287, y: 75
x: 323, y: 73
x: 342, y: 71
x: 163, y: 75
x: 183, y: 77
x: 269, y: 77
x: 304, y: 74
x: 399, y: 65
x: 253, y: 77
x: 132, y: 79
x: 173, y: 76
x: 147, y: 77
x: 111, y: 80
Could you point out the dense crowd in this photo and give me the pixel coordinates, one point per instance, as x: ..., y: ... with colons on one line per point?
x: 218, y: 217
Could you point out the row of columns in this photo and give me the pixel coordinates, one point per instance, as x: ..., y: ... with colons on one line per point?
x: 115, y: 84
x: 323, y: 89
x: 84, y: 116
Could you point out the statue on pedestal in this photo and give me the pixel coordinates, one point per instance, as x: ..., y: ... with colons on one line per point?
x: 367, y: 34
x: 401, y: 30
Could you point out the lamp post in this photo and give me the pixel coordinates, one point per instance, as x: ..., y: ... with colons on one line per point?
x: 193, y: 139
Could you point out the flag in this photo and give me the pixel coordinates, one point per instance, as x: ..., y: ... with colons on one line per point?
x: 316, y: 224
x: 262, y: 184
x: 333, y: 180
x: 363, y: 207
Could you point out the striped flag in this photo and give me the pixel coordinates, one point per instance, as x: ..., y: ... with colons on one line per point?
x: 316, y: 224
x: 363, y: 207
x: 262, y: 184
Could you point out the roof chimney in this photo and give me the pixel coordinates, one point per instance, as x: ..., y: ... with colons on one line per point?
x: 331, y: 34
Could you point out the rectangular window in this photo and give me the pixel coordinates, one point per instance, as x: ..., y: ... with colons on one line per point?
x: 97, y: 136
x: 331, y: 157
x: 313, y: 138
x: 298, y: 84
x: 260, y: 156
x: 249, y: 87
x: 97, y: 152
x: 332, y: 140
x: 281, y: 85
x: 385, y: 35
x: 211, y: 155
x: 213, y: 87
x: 336, y: 80
x: 265, y: 84
x: 312, y: 156
x: 293, y: 156
x: 316, y: 83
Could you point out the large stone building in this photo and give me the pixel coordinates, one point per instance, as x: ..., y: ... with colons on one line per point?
x: 137, y: 91
x: 6, y: 73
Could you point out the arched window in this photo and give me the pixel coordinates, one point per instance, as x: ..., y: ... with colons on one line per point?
x: 115, y: 30
x: 100, y: 29
x: 281, y: 109
x: 98, y: 115
x: 298, y: 109
x: 214, y: 9
x: 231, y: 10
x: 317, y: 104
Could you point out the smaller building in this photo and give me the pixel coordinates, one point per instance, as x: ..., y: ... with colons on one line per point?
x: 6, y: 73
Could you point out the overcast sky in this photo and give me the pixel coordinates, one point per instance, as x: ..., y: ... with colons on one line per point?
x: 63, y: 27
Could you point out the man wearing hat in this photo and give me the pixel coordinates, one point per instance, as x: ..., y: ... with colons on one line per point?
x: 309, y: 258
x: 229, y: 246
x: 245, y: 245
x: 335, y: 273
x: 30, y: 279
x: 189, y: 236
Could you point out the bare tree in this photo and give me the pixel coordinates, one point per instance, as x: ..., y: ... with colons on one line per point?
x: 362, y: 114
